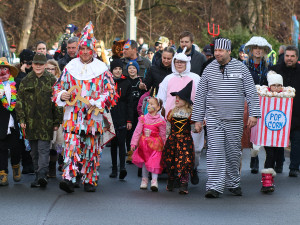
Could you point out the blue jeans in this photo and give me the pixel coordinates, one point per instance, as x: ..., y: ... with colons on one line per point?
x: 295, y: 149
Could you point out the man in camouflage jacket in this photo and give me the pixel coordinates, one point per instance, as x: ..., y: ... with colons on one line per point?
x: 38, y: 115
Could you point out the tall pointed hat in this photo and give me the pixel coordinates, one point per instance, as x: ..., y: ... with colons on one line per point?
x: 87, y: 36
x: 185, y: 93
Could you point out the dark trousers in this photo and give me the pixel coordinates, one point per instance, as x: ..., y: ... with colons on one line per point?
x: 295, y: 149
x: 14, y: 144
x: 130, y: 133
x: 274, y: 157
x: 118, y: 141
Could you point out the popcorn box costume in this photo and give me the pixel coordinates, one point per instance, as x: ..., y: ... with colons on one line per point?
x: 273, y: 128
x: 84, y: 135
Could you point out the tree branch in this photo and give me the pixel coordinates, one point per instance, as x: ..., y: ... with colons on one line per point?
x: 71, y: 8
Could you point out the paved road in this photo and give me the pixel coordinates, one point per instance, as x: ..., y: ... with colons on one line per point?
x: 121, y: 202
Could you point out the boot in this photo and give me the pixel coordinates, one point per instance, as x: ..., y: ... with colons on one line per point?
x: 89, y: 187
x: 144, y: 183
x: 35, y: 183
x: 129, y: 157
x: 16, y: 172
x: 3, y: 178
x: 154, y: 185
x: 254, y: 164
x: 42, y: 179
x: 194, y: 177
x: 123, y: 174
x: 114, y: 173
x: 52, y: 164
x: 66, y: 185
x: 267, y: 180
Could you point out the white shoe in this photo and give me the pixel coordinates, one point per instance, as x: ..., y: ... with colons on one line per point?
x: 144, y: 183
x: 154, y: 185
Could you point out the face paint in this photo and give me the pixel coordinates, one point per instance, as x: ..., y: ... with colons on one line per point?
x: 91, y: 52
x: 80, y: 52
x: 4, y: 73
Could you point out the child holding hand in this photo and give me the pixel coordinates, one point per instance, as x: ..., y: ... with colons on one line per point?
x: 149, y: 138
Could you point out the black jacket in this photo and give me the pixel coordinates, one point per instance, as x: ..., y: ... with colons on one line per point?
x: 156, y: 74
x: 136, y: 93
x: 291, y: 77
x: 143, y: 62
x: 4, y: 119
x: 64, y: 61
x: 197, y: 60
x: 123, y: 111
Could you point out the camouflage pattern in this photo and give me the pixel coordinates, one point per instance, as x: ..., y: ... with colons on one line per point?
x: 35, y: 108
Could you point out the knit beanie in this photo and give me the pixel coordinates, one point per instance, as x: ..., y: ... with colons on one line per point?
x: 135, y: 64
x: 274, y: 78
x: 116, y: 63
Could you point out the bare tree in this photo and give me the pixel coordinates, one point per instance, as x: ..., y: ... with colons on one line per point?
x: 27, y: 24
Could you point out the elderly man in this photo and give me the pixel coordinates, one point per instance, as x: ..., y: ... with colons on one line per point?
x: 38, y: 116
x: 71, y: 53
x: 130, y: 53
x: 9, y: 129
x: 290, y: 72
x: 83, y: 127
x: 220, y: 98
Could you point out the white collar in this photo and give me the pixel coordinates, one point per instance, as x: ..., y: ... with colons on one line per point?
x: 88, y: 71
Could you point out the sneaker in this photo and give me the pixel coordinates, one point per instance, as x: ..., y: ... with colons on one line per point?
x: 194, y: 177
x: 183, y: 189
x: 144, y: 183
x: 42, y: 179
x: 212, y: 194
x: 16, y: 172
x: 154, y: 185
x: 3, y: 178
x: 236, y: 191
x: 123, y: 174
x: 66, y: 185
x: 35, y: 183
x: 89, y: 188
x: 170, y: 185
x: 293, y: 173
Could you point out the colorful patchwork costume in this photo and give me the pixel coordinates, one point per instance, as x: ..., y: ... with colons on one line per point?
x: 83, y: 132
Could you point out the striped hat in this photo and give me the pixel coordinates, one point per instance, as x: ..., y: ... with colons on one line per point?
x: 223, y: 43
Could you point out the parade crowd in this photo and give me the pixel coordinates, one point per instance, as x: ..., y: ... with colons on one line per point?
x: 155, y: 107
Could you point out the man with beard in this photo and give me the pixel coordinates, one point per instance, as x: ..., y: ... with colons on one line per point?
x: 186, y: 39
x: 290, y: 72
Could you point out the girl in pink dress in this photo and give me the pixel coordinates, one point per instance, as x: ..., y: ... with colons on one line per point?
x: 149, y: 138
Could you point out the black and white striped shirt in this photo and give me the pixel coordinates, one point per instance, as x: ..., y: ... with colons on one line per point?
x: 222, y: 95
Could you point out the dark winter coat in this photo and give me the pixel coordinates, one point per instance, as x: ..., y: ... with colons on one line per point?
x: 259, y: 74
x: 136, y: 93
x: 35, y: 108
x: 64, y: 61
x: 122, y: 113
x: 197, y: 60
x: 156, y: 74
x: 291, y: 77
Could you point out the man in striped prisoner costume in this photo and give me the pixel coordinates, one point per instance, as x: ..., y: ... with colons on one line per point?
x: 220, y: 98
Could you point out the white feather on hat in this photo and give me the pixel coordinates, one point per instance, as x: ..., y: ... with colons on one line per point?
x: 274, y: 78
x: 258, y: 41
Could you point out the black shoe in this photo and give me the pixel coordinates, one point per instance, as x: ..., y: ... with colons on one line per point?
x: 194, y: 177
x: 212, y: 194
x: 293, y: 173
x: 183, y: 189
x: 254, y: 165
x: 236, y: 191
x: 170, y: 185
x: 35, y: 183
x: 43, y: 182
x: 28, y: 169
x: 113, y: 174
x: 278, y: 169
x: 123, y: 174
x: 267, y: 189
x: 66, y: 185
x: 89, y: 188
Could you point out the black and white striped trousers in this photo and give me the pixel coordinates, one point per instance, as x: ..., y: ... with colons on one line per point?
x: 223, y: 153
